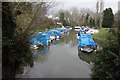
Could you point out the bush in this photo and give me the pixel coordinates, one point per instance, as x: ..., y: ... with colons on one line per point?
x: 107, y: 62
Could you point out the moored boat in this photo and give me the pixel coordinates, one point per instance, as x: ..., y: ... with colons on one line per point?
x: 86, y: 43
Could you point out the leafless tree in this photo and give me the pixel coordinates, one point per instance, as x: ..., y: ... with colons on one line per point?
x: 99, y: 14
x: 30, y: 16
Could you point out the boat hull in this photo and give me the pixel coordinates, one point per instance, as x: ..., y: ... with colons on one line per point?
x: 88, y: 49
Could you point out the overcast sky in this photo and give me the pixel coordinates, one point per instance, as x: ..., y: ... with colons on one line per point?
x: 91, y: 4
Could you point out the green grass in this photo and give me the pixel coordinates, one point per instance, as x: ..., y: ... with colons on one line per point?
x: 101, y: 37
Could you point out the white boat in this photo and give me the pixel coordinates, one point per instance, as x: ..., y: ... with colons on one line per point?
x: 86, y: 43
x: 86, y: 49
x: 77, y: 28
x: 58, y: 37
x: 62, y: 33
x: 92, y: 31
x: 49, y: 41
x: 77, y: 36
x: 52, y: 37
x: 70, y: 28
x: 34, y: 47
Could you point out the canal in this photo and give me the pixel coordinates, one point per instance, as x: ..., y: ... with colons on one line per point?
x: 61, y: 59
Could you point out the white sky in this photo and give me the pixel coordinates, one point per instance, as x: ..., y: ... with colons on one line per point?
x: 91, y: 4
x: 83, y: 0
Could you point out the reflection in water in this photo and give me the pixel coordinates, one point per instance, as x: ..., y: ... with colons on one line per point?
x: 41, y: 54
x: 70, y: 38
x: 27, y: 63
x: 87, y: 57
x: 59, y: 60
x: 55, y: 42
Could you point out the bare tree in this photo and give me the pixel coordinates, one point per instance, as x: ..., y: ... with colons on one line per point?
x: 29, y: 16
x: 101, y: 12
x: 97, y: 13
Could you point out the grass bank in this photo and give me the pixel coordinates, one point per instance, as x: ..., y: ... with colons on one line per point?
x: 101, y: 37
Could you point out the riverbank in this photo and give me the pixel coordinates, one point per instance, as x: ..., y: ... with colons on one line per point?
x: 101, y: 37
x: 46, y: 28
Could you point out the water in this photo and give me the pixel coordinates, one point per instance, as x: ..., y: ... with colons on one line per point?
x: 59, y: 60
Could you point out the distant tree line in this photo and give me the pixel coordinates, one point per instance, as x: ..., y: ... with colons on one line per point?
x: 86, y: 17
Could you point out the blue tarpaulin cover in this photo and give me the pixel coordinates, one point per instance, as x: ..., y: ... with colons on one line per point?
x: 86, y: 40
x: 41, y: 37
x: 33, y: 40
x: 62, y: 29
x: 81, y: 32
x: 54, y: 33
x: 43, y: 41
